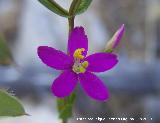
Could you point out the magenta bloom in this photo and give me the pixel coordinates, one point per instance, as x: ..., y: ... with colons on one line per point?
x: 77, y: 66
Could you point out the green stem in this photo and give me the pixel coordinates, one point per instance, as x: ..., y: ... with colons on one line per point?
x: 65, y: 107
x: 71, y: 24
x: 73, y: 8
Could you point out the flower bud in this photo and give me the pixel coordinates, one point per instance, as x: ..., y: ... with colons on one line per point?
x: 114, y: 41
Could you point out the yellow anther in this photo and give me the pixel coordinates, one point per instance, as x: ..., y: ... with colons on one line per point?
x: 82, y: 70
x: 85, y: 64
x: 78, y: 53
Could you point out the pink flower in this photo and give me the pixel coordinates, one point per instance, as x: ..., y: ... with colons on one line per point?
x: 77, y: 66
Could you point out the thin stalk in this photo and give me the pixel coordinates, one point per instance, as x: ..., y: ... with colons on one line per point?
x: 71, y: 24
x: 73, y: 8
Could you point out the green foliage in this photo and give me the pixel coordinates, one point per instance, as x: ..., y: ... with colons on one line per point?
x: 5, y: 53
x: 79, y: 6
x: 83, y: 6
x: 65, y: 107
x: 54, y: 7
x: 10, y: 106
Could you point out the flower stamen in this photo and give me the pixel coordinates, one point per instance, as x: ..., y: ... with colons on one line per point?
x: 78, y: 53
x: 80, y: 67
x: 85, y: 64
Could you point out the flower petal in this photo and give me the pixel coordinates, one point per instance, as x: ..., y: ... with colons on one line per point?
x: 77, y: 39
x: 118, y: 35
x: 93, y: 86
x: 54, y: 58
x: 100, y: 62
x: 64, y: 84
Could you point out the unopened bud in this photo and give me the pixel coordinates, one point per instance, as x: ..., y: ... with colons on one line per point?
x: 114, y: 41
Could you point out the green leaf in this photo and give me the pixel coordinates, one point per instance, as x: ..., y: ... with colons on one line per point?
x: 5, y: 53
x: 83, y: 6
x: 54, y: 7
x: 10, y: 106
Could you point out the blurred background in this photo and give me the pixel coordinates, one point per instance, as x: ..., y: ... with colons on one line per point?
x: 134, y: 84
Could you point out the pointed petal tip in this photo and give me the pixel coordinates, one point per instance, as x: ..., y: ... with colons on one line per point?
x: 122, y: 28
x: 123, y: 25
x: 121, y: 31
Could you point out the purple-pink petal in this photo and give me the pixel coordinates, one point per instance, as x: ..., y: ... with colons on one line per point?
x: 93, y: 86
x: 54, y: 58
x: 64, y: 85
x: 77, y: 39
x: 119, y: 35
x: 100, y: 62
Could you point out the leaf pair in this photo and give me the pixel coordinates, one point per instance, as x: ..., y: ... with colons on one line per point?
x: 57, y: 9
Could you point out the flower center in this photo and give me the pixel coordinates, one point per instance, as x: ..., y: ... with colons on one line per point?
x: 79, y: 65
